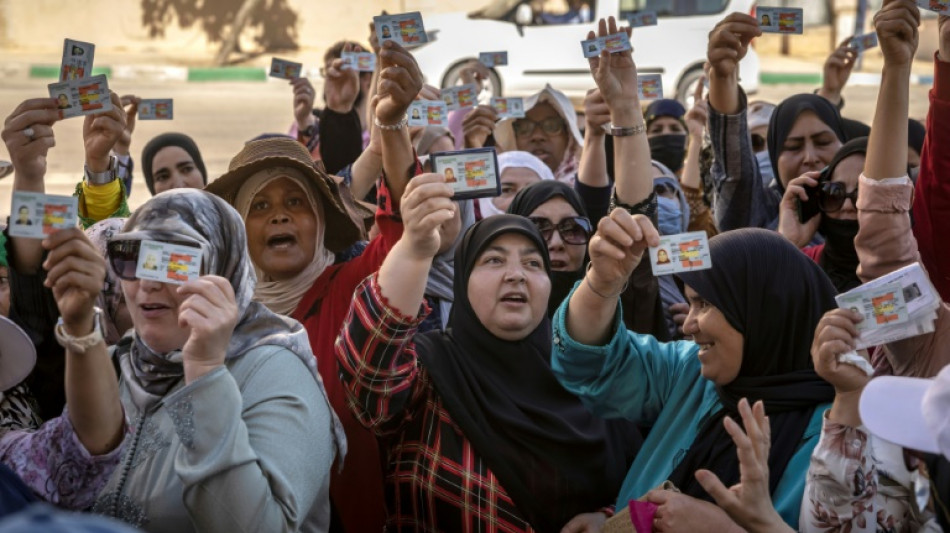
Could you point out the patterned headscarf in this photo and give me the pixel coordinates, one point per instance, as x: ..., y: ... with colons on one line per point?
x: 208, y: 220
x: 110, y: 299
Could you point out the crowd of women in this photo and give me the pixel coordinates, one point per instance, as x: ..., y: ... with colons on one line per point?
x: 362, y: 352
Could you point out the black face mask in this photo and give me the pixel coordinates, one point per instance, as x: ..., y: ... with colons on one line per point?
x: 669, y: 149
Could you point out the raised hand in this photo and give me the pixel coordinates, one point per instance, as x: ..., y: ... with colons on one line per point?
x: 837, y: 70
x: 76, y: 272
x: 210, y: 312
x: 477, y: 125
x: 697, y: 115
x: 615, y: 74
x: 101, y: 132
x: 304, y: 95
x: 596, y: 113
x: 426, y: 205
x: 748, y: 502
x: 789, y: 226
x: 28, y: 135
x: 728, y: 44
x: 836, y: 334
x: 400, y: 80
x: 616, y: 249
x: 896, y: 25
x: 342, y: 86
x: 130, y: 103
x: 474, y: 72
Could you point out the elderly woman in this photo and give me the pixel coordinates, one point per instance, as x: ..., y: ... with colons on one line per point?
x: 751, y: 339
x: 296, y: 219
x: 477, y: 402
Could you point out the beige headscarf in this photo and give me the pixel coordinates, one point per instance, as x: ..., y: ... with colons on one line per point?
x: 282, y: 297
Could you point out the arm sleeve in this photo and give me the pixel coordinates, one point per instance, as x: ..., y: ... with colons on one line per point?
x: 932, y: 198
x: 56, y: 466
x: 596, y: 201
x: 341, y: 139
x: 742, y: 200
x: 99, y: 202
x: 630, y: 377
x: 254, y: 459
x: 378, y: 364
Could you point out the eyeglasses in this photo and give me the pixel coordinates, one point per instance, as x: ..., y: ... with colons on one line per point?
x: 124, y: 256
x: 573, y: 230
x: 833, y: 194
x: 551, y: 126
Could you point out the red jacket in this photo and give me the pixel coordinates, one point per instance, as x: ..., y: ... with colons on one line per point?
x: 931, y: 210
x: 357, y: 493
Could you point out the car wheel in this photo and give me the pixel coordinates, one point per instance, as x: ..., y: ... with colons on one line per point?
x: 687, y: 87
x: 493, y: 88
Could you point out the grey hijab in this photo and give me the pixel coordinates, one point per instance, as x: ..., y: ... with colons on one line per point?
x: 195, y: 215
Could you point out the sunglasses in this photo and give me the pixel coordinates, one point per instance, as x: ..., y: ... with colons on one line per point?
x: 124, y: 256
x: 573, y: 230
x: 833, y: 194
x: 551, y: 126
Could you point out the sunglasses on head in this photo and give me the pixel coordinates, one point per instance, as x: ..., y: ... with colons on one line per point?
x: 124, y: 256
x: 833, y: 194
x: 551, y: 126
x: 573, y: 230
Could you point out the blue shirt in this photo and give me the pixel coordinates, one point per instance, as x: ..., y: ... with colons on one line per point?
x: 659, y: 384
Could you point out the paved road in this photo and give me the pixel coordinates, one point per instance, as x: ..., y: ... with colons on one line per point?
x: 222, y: 116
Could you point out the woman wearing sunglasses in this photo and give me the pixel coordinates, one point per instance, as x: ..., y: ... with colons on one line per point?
x: 229, y: 426
x: 835, y: 192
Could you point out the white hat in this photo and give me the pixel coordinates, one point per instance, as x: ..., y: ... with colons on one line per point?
x: 911, y: 412
x: 17, y: 354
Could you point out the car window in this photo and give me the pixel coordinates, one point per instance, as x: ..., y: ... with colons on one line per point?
x: 673, y: 8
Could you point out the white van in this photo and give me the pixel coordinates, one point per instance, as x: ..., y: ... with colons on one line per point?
x: 541, y: 53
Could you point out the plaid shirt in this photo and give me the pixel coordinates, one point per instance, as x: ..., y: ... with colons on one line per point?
x: 435, y: 479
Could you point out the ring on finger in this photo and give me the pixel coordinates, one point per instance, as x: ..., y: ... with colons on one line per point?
x: 29, y: 133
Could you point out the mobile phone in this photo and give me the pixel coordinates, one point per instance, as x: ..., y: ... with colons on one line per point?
x: 809, y: 208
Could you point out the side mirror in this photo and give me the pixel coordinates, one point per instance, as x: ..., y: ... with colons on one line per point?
x: 524, y: 15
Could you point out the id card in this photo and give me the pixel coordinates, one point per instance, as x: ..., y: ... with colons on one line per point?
x: 460, y: 97
x: 168, y: 263
x: 650, y: 86
x: 81, y: 97
x: 77, y: 60
x: 616, y: 42
x: 508, y: 107
x: 281, y: 68
x: 642, y: 18
x: 35, y: 215
x: 864, y: 42
x: 156, y: 109
x: 471, y: 173
x: 681, y: 253
x: 937, y: 6
x: 359, y: 61
x: 428, y: 113
x: 781, y: 19
x: 880, y: 307
x: 406, y: 29
x: 493, y: 59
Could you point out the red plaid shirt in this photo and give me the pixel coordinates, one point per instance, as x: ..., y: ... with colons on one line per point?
x: 435, y: 479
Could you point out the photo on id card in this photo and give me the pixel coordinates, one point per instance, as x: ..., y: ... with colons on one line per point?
x: 684, y: 252
x: 781, y: 19
x: 168, y: 263
x: 81, y: 97
x: 34, y: 215
x: 281, y: 68
x: 77, y: 60
x: 471, y: 173
x: 156, y: 109
x: 406, y: 29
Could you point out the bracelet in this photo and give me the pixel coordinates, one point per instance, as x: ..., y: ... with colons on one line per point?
x: 604, y: 296
x: 617, y: 131
x: 104, y: 177
x: 80, y: 345
x: 392, y: 127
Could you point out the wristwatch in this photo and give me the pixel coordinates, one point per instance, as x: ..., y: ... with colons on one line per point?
x: 617, y: 131
x: 104, y: 177
x: 79, y: 345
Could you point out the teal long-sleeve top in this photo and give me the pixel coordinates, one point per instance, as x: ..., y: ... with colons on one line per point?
x: 659, y: 384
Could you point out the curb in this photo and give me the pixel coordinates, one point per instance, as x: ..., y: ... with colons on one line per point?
x: 260, y: 74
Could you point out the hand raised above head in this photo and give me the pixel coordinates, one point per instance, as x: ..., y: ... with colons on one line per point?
x: 614, y: 73
x: 101, y: 132
x: 426, y: 205
x: 76, y: 272
x: 400, y: 80
x: 729, y: 43
x: 617, y: 248
x: 28, y: 135
x: 896, y: 24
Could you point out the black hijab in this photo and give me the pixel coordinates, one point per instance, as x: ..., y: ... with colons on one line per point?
x: 170, y: 139
x: 553, y: 457
x: 784, y: 117
x: 531, y: 198
x: 839, y: 259
x: 774, y: 295
x: 915, y: 135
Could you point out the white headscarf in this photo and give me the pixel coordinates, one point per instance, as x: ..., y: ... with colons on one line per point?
x: 514, y: 159
x: 282, y: 297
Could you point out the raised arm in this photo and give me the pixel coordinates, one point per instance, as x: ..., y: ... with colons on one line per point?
x: 399, y: 82
x: 101, y: 193
x: 836, y: 71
